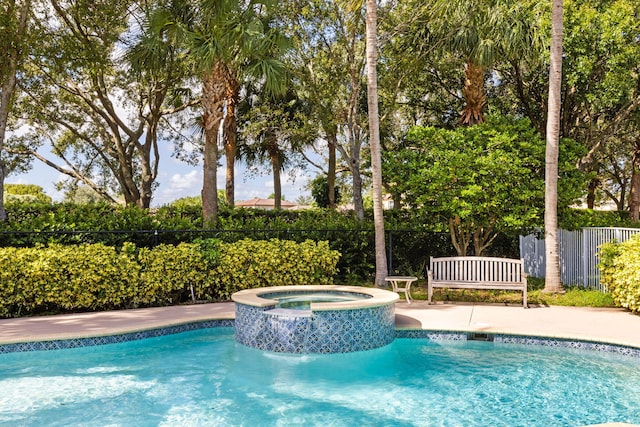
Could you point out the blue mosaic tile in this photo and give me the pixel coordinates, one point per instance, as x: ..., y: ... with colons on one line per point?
x: 567, y: 343
x: 111, y: 339
x: 303, y: 331
x: 519, y: 339
x: 432, y: 335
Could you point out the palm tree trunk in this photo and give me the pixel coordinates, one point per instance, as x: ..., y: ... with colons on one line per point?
x: 374, y: 142
x: 230, y: 140
x: 553, y: 283
x: 213, y: 94
x: 277, y: 184
x: 474, y: 94
x: 276, y: 165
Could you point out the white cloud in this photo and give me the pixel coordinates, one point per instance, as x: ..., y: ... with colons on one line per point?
x: 179, y: 185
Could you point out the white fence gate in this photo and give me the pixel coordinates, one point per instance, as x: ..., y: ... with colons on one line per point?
x: 577, y: 251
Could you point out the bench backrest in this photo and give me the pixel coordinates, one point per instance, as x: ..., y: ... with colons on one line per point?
x: 476, y: 269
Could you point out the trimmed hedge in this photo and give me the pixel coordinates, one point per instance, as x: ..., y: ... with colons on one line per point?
x: 620, y: 272
x: 252, y: 264
x: 92, y: 277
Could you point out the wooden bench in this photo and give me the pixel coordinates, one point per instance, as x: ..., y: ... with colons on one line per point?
x: 472, y: 272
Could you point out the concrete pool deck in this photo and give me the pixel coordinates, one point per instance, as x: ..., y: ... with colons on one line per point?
x: 610, y: 325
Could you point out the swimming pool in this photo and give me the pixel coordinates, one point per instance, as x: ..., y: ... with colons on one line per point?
x: 205, y: 378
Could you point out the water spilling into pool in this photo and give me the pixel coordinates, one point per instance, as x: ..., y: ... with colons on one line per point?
x: 205, y: 378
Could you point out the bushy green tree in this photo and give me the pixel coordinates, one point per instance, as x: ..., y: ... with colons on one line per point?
x: 26, y: 192
x: 320, y: 191
x: 480, y: 179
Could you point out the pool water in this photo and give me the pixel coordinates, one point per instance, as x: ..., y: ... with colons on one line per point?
x: 205, y: 378
x: 302, y: 300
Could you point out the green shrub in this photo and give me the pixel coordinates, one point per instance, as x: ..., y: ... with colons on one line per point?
x: 251, y: 264
x: 168, y: 274
x: 89, y: 277
x: 65, y: 278
x: 620, y: 272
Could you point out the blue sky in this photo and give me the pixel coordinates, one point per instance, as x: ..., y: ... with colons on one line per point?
x: 178, y: 179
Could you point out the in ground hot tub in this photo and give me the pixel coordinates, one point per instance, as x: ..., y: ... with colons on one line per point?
x: 315, y: 318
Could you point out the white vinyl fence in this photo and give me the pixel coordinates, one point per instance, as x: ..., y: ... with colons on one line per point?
x: 578, y: 254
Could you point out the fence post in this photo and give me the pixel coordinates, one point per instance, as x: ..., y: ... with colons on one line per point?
x: 155, y: 238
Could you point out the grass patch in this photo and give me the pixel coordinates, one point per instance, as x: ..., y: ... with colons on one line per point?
x: 573, y: 297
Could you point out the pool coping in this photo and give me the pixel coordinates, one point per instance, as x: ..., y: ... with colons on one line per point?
x: 378, y: 297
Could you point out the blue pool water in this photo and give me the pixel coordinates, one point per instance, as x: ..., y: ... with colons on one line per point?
x: 302, y: 300
x: 205, y: 378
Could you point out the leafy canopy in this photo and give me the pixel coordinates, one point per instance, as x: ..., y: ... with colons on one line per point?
x: 489, y: 176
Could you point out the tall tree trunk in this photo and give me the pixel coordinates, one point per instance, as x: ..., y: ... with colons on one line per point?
x: 474, y: 95
x: 213, y: 95
x: 634, y: 193
x: 332, y: 142
x: 591, y: 193
x: 9, y: 86
x: 148, y: 171
x: 230, y: 140
x: 3, y: 212
x: 358, y: 204
x: 276, y: 165
x: 553, y: 283
x: 374, y: 142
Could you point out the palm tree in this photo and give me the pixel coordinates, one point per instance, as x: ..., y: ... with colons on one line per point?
x: 225, y: 39
x: 481, y: 32
x: 553, y: 284
x: 374, y: 142
x: 273, y: 129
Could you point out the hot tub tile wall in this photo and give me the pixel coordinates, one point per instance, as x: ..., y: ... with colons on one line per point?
x: 332, y: 331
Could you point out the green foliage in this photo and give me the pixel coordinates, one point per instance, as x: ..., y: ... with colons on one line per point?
x: 620, y: 272
x: 412, y: 236
x: 90, y: 277
x: 320, y: 191
x: 25, y: 192
x: 167, y: 273
x: 65, y: 278
x: 481, y: 178
x: 574, y: 219
x: 250, y: 264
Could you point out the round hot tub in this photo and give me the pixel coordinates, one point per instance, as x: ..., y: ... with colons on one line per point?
x: 315, y: 318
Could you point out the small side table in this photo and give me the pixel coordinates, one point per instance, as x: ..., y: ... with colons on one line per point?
x: 402, y: 284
